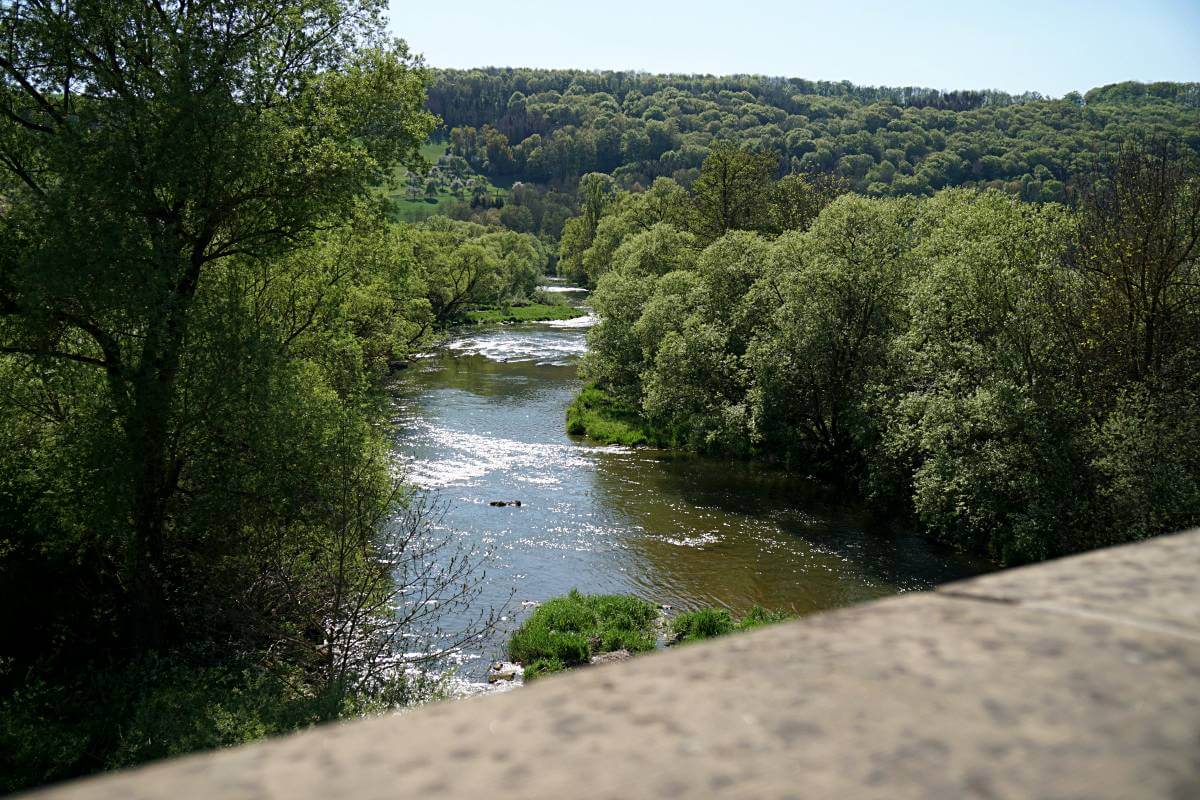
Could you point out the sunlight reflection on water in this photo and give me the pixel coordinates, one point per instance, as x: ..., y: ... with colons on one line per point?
x: 525, y: 344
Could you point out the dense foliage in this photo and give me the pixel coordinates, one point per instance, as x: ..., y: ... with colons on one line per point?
x: 202, y: 291
x: 1021, y: 379
x: 202, y: 540
x: 463, y: 265
x: 557, y: 125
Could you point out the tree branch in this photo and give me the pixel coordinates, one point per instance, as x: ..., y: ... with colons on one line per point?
x: 76, y: 357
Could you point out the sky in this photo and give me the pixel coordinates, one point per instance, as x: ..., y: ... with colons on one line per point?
x: 1052, y: 47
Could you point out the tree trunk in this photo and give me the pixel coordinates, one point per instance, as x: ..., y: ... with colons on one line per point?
x: 155, y: 464
x: 151, y: 493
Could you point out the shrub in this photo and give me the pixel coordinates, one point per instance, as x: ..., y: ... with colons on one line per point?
x: 692, y: 626
x: 543, y: 666
x: 533, y: 643
x: 708, y: 623
x: 155, y: 707
x: 545, y: 298
x: 759, y: 616
x: 567, y: 631
x: 600, y: 416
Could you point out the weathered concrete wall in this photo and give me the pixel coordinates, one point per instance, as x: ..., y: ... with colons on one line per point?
x: 1074, y: 679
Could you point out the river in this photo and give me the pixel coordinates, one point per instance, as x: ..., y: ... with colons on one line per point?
x: 482, y: 419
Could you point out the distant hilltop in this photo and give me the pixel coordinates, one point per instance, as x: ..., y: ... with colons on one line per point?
x: 552, y: 126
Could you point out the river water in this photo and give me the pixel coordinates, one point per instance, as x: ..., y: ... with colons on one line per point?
x: 482, y: 419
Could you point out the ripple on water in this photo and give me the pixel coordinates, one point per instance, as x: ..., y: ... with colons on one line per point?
x: 461, y: 458
x: 586, y: 321
x: 694, y: 540
x: 541, y: 347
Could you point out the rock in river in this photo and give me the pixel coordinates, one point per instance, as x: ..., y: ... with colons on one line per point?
x: 505, y: 671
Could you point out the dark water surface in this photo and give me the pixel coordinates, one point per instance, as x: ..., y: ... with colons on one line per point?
x: 483, y: 420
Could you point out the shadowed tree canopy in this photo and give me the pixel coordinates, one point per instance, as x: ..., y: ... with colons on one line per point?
x: 144, y: 143
x: 1136, y: 263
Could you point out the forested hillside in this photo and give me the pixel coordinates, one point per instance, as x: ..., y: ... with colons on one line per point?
x: 557, y: 125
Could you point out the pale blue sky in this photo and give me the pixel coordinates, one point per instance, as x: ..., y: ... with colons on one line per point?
x: 1052, y: 46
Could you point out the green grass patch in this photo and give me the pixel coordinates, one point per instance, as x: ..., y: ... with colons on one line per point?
x: 415, y: 209
x: 709, y: 623
x: 534, y: 312
x: 432, y: 151
x: 598, y: 415
x: 760, y: 616
x: 567, y: 631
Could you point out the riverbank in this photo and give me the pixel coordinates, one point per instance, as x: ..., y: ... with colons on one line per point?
x: 534, y: 312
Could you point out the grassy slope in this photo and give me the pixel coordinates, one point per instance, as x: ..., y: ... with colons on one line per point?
x: 422, y: 208
x: 410, y: 210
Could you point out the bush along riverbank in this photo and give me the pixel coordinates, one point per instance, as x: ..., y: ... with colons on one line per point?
x: 606, y: 419
x: 1018, y: 381
x: 577, y: 629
